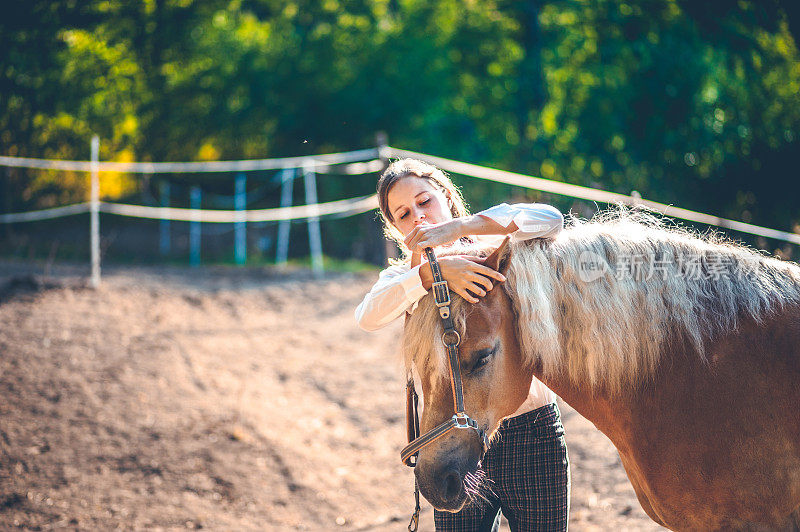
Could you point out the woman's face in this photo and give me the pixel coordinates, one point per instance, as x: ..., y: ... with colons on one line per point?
x: 414, y: 200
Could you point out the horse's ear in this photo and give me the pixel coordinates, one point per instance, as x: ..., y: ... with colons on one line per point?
x: 499, y: 259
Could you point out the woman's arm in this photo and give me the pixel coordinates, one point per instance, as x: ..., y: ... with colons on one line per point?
x: 397, y: 290
x: 523, y: 221
x: 400, y: 287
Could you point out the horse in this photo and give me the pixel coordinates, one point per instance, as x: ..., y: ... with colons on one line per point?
x: 682, y: 348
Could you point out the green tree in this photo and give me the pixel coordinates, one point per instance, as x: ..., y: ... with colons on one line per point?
x: 692, y: 103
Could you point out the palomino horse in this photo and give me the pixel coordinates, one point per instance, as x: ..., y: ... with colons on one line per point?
x: 684, y: 351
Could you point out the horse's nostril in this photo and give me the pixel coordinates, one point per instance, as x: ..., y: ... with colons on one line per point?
x: 452, y: 485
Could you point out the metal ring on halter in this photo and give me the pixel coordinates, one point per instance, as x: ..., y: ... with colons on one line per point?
x: 451, y: 334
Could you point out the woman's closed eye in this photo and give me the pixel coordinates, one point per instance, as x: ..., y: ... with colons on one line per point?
x: 421, y: 204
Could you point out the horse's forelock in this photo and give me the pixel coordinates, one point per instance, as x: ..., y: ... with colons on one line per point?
x: 422, y: 346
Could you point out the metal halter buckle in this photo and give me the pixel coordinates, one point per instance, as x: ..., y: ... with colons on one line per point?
x: 445, y: 292
x: 441, y: 296
x: 462, y: 420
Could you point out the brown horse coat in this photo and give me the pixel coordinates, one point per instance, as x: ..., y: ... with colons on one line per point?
x: 690, y: 364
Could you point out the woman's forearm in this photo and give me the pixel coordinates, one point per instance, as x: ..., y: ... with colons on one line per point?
x: 478, y: 224
x: 524, y: 220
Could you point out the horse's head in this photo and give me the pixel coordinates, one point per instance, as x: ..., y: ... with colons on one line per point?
x: 494, y: 384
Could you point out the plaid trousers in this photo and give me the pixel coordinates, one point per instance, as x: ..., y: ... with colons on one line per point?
x: 528, y: 468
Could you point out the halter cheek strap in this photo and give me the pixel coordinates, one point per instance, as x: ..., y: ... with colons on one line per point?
x: 460, y: 420
x: 451, y: 339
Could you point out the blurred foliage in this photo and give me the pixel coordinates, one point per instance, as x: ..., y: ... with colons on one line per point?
x: 692, y: 103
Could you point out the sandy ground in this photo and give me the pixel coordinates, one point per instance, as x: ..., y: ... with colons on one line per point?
x: 225, y: 399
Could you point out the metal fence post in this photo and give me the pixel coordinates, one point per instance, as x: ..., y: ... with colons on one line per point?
x: 194, y: 229
x: 94, y: 215
x: 240, y: 204
x: 314, y: 237
x: 164, y: 242
x: 287, y: 186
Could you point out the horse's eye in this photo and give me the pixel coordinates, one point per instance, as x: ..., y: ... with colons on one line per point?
x: 481, y: 362
x: 483, y: 358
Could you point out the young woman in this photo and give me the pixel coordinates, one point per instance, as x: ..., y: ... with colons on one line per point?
x: 527, y: 464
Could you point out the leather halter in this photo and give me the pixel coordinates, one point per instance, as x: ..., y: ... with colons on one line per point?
x: 460, y: 420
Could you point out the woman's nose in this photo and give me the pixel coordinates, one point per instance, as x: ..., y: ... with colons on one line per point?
x: 419, y: 218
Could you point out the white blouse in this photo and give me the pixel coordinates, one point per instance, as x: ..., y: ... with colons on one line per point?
x: 399, y: 287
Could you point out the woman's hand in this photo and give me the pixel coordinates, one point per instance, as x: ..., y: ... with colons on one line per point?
x: 464, y: 274
x: 416, y: 258
x: 432, y: 235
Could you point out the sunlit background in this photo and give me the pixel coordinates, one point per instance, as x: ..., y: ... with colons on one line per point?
x: 695, y: 104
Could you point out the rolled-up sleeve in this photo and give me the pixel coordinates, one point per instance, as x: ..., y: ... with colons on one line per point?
x: 398, y: 289
x: 533, y: 220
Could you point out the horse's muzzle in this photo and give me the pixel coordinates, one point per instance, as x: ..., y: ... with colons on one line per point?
x: 441, y: 470
x: 443, y: 488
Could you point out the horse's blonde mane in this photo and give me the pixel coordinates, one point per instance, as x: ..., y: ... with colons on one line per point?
x: 614, y: 329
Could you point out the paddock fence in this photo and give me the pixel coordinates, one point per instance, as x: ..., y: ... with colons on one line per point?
x: 358, y: 162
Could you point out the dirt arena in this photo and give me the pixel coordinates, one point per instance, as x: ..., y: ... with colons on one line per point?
x: 222, y: 399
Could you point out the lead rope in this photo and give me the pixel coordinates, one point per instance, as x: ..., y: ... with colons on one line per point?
x: 412, y: 429
x: 412, y: 526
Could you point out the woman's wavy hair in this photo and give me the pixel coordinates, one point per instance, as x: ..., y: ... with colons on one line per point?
x: 413, y: 167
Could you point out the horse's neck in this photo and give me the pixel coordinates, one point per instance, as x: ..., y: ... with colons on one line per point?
x: 610, y: 413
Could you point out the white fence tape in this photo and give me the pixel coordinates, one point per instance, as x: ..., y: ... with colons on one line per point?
x: 512, y: 178
x: 45, y: 214
x: 591, y: 194
x: 246, y: 165
x: 346, y: 207
x: 368, y: 167
x: 354, y: 166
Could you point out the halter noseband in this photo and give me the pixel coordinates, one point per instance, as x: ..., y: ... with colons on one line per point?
x: 450, y: 339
